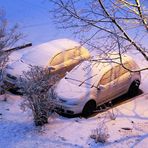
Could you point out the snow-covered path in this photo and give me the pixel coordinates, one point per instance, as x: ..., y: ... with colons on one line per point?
x: 17, y: 129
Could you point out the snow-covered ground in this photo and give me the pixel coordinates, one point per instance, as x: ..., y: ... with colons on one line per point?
x: 129, y: 129
x: 17, y: 128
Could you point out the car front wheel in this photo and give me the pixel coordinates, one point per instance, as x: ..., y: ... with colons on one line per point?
x: 89, y: 108
x: 134, y: 88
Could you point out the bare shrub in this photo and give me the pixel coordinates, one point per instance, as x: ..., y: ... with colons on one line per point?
x: 109, y: 108
x: 100, y: 134
x: 111, y: 113
x: 37, y: 88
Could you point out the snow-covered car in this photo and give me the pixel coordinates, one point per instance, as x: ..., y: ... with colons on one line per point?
x: 94, y: 83
x: 62, y: 55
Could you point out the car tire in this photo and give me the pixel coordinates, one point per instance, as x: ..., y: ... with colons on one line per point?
x: 2, y: 91
x: 134, y: 88
x: 89, y: 108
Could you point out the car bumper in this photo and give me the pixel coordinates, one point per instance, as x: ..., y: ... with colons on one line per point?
x: 69, y: 109
x: 10, y: 85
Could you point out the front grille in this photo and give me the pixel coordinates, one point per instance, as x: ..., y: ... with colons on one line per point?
x: 62, y: 100
x: 59, y: 109
x: 70, y: 112
x: 11, y: 77
x: 9, y: 85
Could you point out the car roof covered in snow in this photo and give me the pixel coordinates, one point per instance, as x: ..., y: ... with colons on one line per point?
x: 41, y: 54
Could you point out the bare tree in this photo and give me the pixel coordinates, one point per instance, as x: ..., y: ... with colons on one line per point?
x: 36, y: 85
x: 8, y: 37
x: 104, y: 24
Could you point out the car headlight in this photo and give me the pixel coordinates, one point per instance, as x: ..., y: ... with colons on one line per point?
x: 9, y: 67
x: 69, y: 102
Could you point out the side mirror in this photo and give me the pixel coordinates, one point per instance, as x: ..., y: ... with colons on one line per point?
x: 100, y: 87
x: 51, y: 68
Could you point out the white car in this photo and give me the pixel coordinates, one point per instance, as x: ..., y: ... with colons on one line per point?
x: 62, y: 55
x: 93, y: 83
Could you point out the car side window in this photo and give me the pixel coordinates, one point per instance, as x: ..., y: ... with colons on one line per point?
x: 116, y: 71
x: 106, y: 78
x: 119, y: 70
x: 69, y: 54
x: 57, y: 59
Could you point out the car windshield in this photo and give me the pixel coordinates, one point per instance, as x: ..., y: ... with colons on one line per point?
x: 85, y: 74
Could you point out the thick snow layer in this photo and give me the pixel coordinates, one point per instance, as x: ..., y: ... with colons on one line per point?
x: 17, y: 68
x: 129, y: 129
x: 17, y: 129
x: 41, y: 54
x: 82, y: 73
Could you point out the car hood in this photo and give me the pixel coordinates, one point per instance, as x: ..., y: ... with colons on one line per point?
x: 17, y: 68
x: 67, y: 91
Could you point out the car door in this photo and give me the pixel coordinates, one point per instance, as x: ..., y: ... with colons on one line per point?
x: 121, y: 79
x: 106, y: 91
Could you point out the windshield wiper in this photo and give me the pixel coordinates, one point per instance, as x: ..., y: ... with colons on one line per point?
x: 87, y: 79
x: 81, y: 82
x: 22, y: 60
x: 72, y: 79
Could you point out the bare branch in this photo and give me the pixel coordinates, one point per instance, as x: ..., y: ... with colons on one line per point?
x: 98, y: 23
x: 144, y: 21
x: 123, y: 31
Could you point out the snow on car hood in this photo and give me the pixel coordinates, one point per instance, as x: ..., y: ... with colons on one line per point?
x: 37, y: 57
x: 17, y: 68
x: 84, y: 74
x: 70, y: 92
